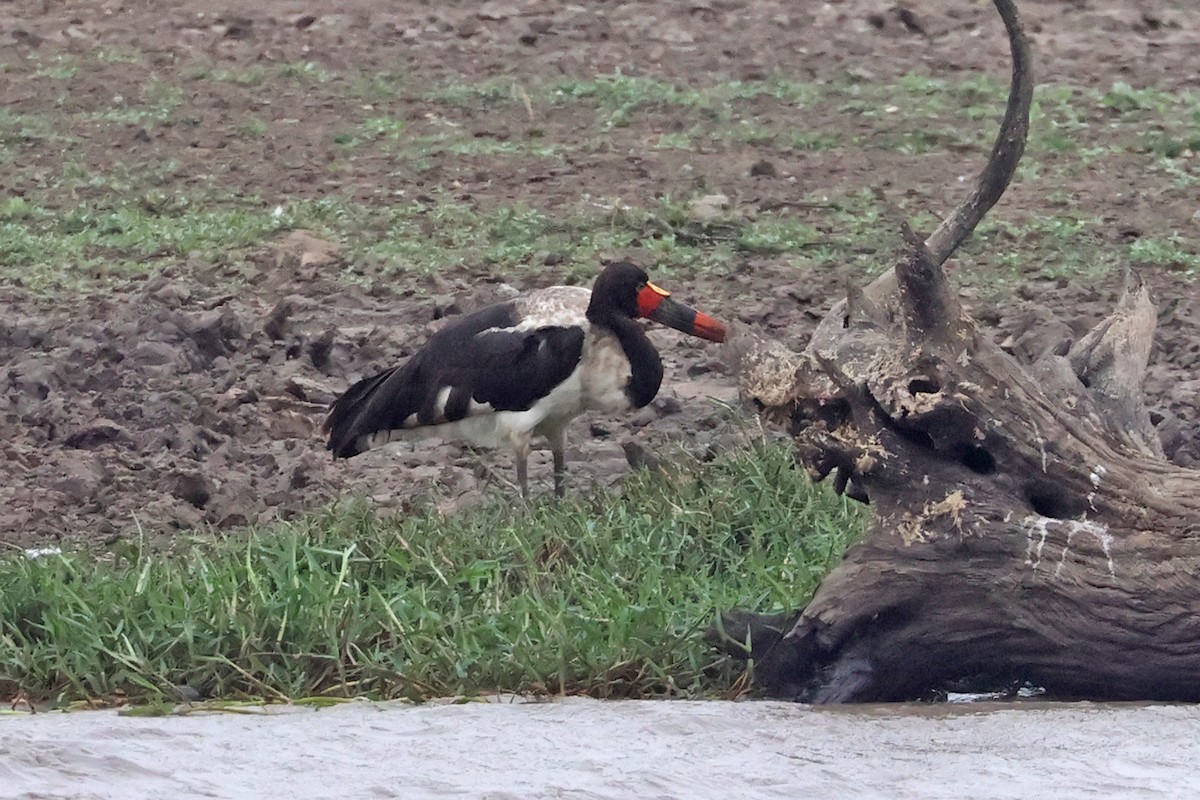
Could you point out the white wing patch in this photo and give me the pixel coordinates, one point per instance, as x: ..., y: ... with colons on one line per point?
x: 474, y: 409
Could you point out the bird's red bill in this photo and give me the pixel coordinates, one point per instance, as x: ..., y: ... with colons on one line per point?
x: 708, y: 328
x: 655, y: 304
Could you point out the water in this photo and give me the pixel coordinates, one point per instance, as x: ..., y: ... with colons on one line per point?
x: 580, y: 748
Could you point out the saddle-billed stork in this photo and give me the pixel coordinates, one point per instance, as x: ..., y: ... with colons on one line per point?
x: 526, y: 367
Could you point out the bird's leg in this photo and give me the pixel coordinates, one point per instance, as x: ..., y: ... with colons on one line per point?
x: 560, y: 474
x: 523, y: 474
x: 520, y: 445
x: 557, y: 446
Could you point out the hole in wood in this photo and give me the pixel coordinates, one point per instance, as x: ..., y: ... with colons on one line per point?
x: 835, y: 413
x: 918, y: 437
x: 977, y: 459
x: 1052, y: 501
x: 924, y: 386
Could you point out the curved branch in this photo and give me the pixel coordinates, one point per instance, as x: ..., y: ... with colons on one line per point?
x: 1006, y: 152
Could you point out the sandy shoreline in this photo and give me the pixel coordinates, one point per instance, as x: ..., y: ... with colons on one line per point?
x: 581, y: 748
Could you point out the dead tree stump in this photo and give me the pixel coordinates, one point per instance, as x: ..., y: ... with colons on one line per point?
x: 1025, y: 524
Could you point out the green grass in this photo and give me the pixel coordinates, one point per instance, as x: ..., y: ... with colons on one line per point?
x: 596, y: 594
x: 87, y: 224
x: 376, y: 87
x: 252, y: 128
x: 60, y: 68
x: 419, y: 237
x: 22, y: 129
x: 157, y: 104
x: 1124, y: 99
x: 1173, y: 252
x: 618, y: 98
x: 1074, y: 130
x: 50, y: 249
x: 456, y: 145
x: 305, y: 72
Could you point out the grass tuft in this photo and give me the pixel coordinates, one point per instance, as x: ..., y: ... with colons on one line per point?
x: 602, y: 595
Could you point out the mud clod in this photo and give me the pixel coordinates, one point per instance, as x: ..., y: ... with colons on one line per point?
x: 193, y: 488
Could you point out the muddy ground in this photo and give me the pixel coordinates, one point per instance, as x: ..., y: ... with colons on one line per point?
x: 194, y: 398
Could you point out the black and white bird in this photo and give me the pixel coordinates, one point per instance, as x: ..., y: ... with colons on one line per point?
x: 523, y: 368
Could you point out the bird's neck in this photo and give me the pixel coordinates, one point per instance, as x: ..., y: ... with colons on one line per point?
x: 646, y: 370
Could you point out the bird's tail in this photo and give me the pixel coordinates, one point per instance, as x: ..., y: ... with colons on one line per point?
x: 360, y: 412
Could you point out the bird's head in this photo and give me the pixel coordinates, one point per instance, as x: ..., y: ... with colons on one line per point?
x: 625, y: 288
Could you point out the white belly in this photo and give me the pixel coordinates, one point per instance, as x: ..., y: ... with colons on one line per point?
x: 606, y: 374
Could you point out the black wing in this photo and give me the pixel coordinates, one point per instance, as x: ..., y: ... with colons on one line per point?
x: 475, y: 358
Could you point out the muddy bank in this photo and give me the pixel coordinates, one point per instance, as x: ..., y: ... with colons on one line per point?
x: 592, y: 749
